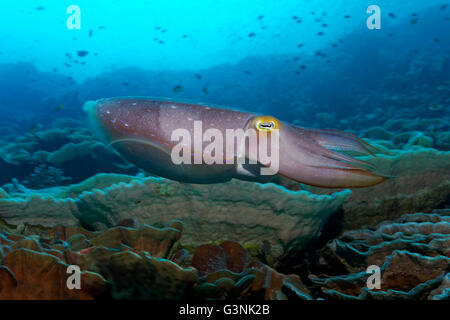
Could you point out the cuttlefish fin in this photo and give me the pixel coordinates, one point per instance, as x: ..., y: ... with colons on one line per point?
x: 142, y: 141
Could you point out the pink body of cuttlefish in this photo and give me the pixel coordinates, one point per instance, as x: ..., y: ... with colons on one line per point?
x: 142, y: 130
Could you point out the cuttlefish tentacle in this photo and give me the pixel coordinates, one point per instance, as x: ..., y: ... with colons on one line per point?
x: 339, y: 140
x: 141, y: 128
x: 326, y: 143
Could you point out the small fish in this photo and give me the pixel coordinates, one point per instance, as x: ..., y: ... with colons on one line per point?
x: 414, y: 21
x: 300, y: 45
x: 324, y: 25
x: 443, y: 7
x: 303, y: 67
x: 60, y: 107
x: 184, y: 36
x: 436, y: 40
x: 177, y: 88
x: 260, y: 17
x: 320, y: 33
x: 247, y: 72
x: 347, y: 16
x: 390, y: 14
x: 90, y: 33
x: 294, y: 17
x: 251, y: 34
x: 82, y: 53
x: 321, y: 54
x: 205, y: 89
x: 198, y: 76
x: 126, y: 83
x: 40, y: 8
x: 101, y: 27
x: 161, y: 42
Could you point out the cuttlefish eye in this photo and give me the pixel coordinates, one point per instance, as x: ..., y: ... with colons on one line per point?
x: 266, y: 123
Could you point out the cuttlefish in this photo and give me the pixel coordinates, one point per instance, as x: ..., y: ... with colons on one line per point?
x: 142, y: 130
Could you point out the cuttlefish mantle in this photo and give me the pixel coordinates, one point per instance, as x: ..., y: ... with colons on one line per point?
x: 142, y: 130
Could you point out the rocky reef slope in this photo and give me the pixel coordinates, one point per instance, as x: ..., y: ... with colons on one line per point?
x: 129, y: 262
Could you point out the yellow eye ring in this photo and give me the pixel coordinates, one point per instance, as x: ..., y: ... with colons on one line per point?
x: 266, y: 123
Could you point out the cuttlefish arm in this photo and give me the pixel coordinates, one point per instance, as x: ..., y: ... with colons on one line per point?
x: 141, y: 129
x: 339, y: 140
x: 305, y: 160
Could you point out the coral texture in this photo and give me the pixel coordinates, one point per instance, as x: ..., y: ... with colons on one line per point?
x: 133, y: 263
x: 268, y: 216
x: 412, y: 253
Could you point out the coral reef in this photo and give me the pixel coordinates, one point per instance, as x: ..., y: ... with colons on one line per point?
x: 412, y: 253
x: 67, y: 146
x: 132, y: 263
x: 148, y: 262
x: 398, y: 133
x: 29, y: 274
x: 273, y: 219
x: 420, y: 182
x: 45, y: 176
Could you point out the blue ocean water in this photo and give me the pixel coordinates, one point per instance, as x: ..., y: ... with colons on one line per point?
x: 378, y: 70
x: 297, y: 58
